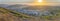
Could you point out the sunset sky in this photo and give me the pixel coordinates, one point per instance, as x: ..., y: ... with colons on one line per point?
x: 33, y: 2
x: 28, y: 1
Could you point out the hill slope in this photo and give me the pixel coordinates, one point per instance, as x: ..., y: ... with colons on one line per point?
x: 7, y: 15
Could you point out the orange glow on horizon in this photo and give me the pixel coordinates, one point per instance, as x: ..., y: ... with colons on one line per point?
x: 39, y: 2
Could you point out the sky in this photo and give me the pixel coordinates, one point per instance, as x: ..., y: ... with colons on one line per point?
x: 5, y: 1
x: 52, y: 0
x: 24, y: 1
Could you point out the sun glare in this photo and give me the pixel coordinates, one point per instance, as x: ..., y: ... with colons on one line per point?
x: 39, y: 0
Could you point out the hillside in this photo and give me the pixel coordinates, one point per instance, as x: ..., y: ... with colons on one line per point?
x: 37, y: 13
x: 7, y: 15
